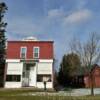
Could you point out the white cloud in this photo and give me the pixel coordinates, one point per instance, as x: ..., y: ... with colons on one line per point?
x: 78, y: 16
x: 27, y: 27
x: 75, y: 17
x: 55, y: 13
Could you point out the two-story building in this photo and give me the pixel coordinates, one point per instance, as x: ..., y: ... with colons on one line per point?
x: 29, y: 64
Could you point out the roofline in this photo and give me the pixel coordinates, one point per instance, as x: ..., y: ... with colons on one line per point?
x: 30, y: 41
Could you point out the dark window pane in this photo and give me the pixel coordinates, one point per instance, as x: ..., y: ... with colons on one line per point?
x: 36, y: 55
x: 22, y: 55
x: 39, y: 78
x: 36, y: 52
x: 15, y: 78
x: 23, y: 52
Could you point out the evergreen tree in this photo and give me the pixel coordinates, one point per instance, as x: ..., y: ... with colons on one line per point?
x: 3, y: 8
x: 68, y: 68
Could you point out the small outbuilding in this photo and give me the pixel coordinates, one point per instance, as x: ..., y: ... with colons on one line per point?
x: 92, y: 77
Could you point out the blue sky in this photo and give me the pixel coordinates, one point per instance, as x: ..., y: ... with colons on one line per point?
x: 57, y: 20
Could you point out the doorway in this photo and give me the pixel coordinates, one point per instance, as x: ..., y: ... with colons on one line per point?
x: 29, y: 75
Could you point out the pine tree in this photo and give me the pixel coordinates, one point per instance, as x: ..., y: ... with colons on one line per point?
x: 68, y: 69
x: 3, y: 8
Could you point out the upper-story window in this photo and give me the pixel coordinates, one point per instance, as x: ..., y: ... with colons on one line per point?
x: 23, y: 52
x: 36, y: 52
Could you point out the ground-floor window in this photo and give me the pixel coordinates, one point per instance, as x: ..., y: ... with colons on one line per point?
x: 42, y: 78
x: 13, y: 78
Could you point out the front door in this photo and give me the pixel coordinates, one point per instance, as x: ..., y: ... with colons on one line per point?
x: 32, y: 76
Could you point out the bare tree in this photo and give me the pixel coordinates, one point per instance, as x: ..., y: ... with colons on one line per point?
x: 89, y: 52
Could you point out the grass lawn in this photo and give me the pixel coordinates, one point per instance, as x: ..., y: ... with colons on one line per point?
x: 18, y: 95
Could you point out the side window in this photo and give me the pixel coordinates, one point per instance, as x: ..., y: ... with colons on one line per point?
x: 23, y: 52
x: 13, y: 78
x: 41, y: 78
x: 36, y: 52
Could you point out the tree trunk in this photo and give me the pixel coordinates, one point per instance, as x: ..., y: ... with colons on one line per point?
x: 92, y: 84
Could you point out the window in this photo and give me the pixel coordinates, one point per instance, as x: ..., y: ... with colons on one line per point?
x: 23, y: 52
x: 36, y: 52
x: 42, y: 78
x: 13, y: 78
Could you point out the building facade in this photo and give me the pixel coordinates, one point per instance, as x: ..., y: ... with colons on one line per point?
x: 29, y: 64
x: 93, y: 78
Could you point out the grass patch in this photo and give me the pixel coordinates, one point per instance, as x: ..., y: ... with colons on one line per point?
x: 7, y: 92
x: 16, y: 94
x: 48, y: 98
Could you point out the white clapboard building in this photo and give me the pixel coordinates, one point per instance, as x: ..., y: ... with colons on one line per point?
x: 29, y: 63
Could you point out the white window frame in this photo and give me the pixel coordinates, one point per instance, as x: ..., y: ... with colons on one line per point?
x: 21, y: 51
x: 34, y: 52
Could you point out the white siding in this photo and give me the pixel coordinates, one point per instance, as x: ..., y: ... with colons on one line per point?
x: 12, y: 60
x: 41, y: 85
x: 13, y: 85
x: 14, y: 68
x: 46, y: 60
x: 44, y: 68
